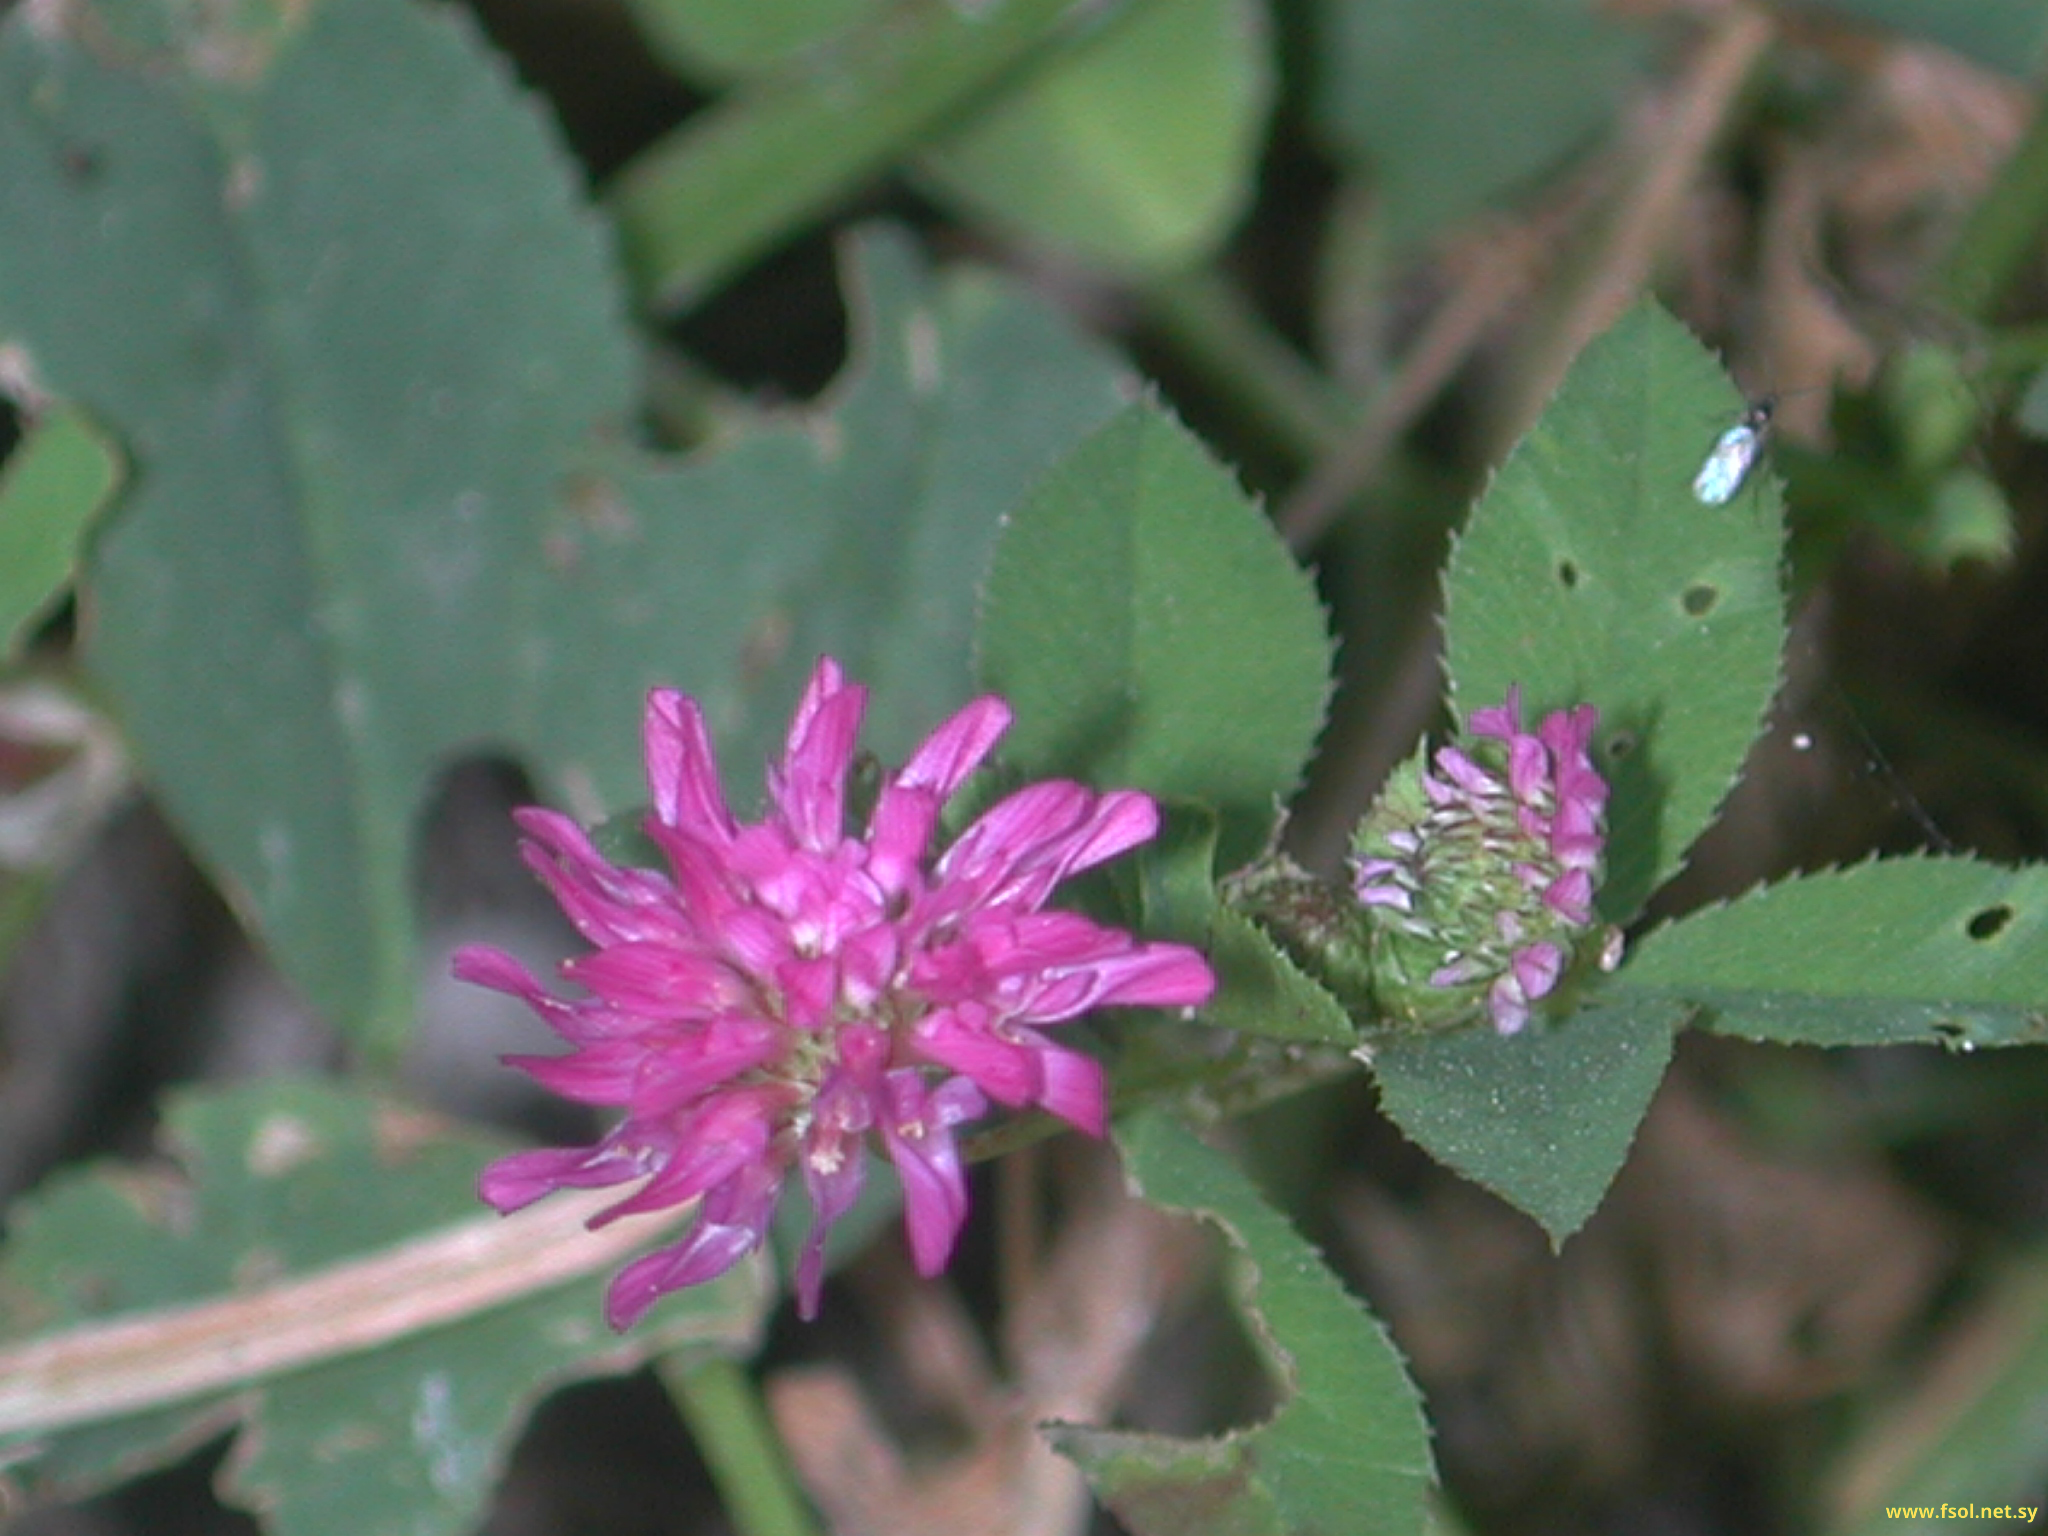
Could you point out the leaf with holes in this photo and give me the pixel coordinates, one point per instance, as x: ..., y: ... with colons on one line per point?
x: 1590, y: 574
x: 375, y: 377
x: 1945, y: 951
x: 297, y: 1183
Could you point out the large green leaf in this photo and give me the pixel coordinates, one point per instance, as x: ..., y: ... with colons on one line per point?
x: 1590, y: 573
x: 272, y: 1185
x: 1151, y: 630
x: 1135, y: 149
x: 374, y: 375
x: 1933, y: 950
x: 1346, y: 1450
x: 1259, y: 990
x: 1544, y: 1118
x: 1452, y: 103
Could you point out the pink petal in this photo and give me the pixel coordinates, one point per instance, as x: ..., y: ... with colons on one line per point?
x: 1570, y: 896
x: 1509, y: 1008
x: 1503, y: 722
x: 725, y: 1136
x: 1011, y: 831
x: 657, y: 980
x: 524, y: 1177
x: 834, y: 1165
x: 1120, y: 820
x: 1528, y: 769
x: 1075, y: 1089
x: 682, y: 771
x: 731, y: 1225
x: 809, y: 785
x: 1568, y: 733
x: 946, y: 757
x: 1465, y: 774
x: 1536, y: 968
x: 488, y: 966
x: 909, y: 805
x: 918, y: 1132
x: 963, y: 1040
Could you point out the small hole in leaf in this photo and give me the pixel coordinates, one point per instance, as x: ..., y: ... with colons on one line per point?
x: 82, y: 164
x: 1699, y: 600
x: 1989, y: 923
x: 1954, y: 1034
x: 1567, y: 574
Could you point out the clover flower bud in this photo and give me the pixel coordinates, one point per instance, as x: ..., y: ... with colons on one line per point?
x: 1476, y: 870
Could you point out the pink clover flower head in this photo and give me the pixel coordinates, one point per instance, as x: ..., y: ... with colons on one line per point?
x: 1476, y: 869
x: 785, y: 996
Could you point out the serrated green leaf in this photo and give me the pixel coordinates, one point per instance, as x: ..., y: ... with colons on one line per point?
x: 375, y: 376
x: 1260, y: 991
x: 1943, y: 951
x: 1452, y: 103
x: 273, y: 1183
x: 1347, y: 1450
x: 1545, y: 1118
x: 60, y: 477
x: 1589, y: 573
x: 1136, y: 149
x: 1151, y: 631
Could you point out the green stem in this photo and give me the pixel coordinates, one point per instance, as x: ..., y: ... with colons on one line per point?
x: 723, y: 1409
x: 2003, y: 232
x: 1210, y: 328
x: 733, y: 182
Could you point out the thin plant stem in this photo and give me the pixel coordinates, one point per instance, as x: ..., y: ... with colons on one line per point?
x: 1206, y: 322
x: 733, y: 182
x: 722, y: 1407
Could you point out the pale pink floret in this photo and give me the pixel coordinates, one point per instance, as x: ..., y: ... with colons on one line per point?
x: 786, y: 996
x: 1535, y: 811
x: 1560, y: 803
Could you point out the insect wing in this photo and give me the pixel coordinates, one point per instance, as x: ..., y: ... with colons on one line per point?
x: 1728, y: 464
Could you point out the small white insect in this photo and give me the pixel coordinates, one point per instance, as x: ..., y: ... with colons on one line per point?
x: 1734, y: 455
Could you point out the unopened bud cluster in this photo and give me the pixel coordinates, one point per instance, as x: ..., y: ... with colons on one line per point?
x: 1476, y: 869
